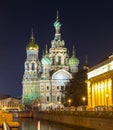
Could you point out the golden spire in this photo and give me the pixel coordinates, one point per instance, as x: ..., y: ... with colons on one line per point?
x: 46, y: 49
x: 32, y: 45
x: 32, y: 35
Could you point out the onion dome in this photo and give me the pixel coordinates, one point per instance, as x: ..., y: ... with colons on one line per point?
x: 73, y: 60
x: 46, y: 60
x: 57, y: 24
x: 32, y: 45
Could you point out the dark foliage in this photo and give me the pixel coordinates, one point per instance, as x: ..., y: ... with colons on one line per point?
x: 77, y: 88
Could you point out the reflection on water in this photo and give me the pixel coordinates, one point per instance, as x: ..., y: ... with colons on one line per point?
x: 32, y: 124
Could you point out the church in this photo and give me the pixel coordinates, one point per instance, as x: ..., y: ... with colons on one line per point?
x: 44, y: 81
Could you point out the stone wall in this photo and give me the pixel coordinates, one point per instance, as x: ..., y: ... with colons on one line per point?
x: 96, y: 120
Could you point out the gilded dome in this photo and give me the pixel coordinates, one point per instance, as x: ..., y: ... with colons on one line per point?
x: 32, y: 45
x: 73, y: 60
x: 46, y: 60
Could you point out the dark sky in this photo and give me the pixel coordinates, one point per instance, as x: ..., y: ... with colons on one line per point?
x: 87, y: 24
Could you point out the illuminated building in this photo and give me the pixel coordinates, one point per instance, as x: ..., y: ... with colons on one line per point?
x: 44, y: 81
x: 100, y: 84
x: 10, y: 104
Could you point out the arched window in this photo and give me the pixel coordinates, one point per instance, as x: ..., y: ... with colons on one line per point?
x: 62, y: 87
x: 59, y: 60
x: 33, y: 66
x: 47, y: 87
x: 58, y: 99
x: 58, y: 87
x: 47, y: 98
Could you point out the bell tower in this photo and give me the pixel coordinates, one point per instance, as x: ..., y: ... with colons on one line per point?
x: 30, y: 81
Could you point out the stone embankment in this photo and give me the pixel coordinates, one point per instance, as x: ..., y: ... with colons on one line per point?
x: 25, y: 114
x: 99, y: 120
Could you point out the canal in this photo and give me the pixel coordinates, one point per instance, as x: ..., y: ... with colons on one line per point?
x: 33, y: 124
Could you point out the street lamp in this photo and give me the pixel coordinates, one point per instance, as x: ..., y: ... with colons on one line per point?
x: 59, y: 104
x: 84, y: 99
x: 69, y: 101
x: 107, y: 101
x: 51, y: 106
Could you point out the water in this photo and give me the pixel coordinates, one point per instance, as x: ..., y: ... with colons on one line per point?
x: 33, y: 124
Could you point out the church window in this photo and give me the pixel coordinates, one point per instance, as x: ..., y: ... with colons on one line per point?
x: 57, y: 87
x: 59, y: 60
x: 62, y: 87
x: 47, y: 98
x: 33, y: 66
x: 47, y: 87
x: 58, y: 99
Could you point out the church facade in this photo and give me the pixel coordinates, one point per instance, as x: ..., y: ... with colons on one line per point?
x: 44, y: 81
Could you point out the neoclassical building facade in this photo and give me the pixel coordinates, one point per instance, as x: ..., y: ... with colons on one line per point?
x: 45, y: 80
x: 100, y: 84
x: 10, y: 104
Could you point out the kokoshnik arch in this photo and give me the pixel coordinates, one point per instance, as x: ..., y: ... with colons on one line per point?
x: 43, y: 80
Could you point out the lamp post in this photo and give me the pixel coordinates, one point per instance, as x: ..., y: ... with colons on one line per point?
x: 84, y: 99
x: 69, y: 102
x: 59, y: 105
x: 107, y: 101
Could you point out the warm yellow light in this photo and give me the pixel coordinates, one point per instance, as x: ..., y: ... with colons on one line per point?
x: 100, y: 70
x: 109, y: 83
x: 69, y: 100
x: 59, y: 103
x: 39, y: 104
x: 83, y: 98
x: 107, y: 95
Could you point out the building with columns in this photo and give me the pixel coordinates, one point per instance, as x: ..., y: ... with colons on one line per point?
x: 44, y: 80
x: 100, y: 84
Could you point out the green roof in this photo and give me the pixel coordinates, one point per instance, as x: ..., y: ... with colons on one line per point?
x: 46, y: 60
x: 73, y: 61
x: 57, y: 24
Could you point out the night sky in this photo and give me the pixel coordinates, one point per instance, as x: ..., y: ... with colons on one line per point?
x: 86, y: 24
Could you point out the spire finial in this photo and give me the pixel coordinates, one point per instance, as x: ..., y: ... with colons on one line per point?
x: 86, y: 59
x: 46, y: 49
x: 86, y: 67
x: 57, y: 18
x: 32, y: 35
x: 73, y: 50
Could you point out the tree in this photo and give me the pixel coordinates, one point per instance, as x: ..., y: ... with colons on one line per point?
x: 77, y: 88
